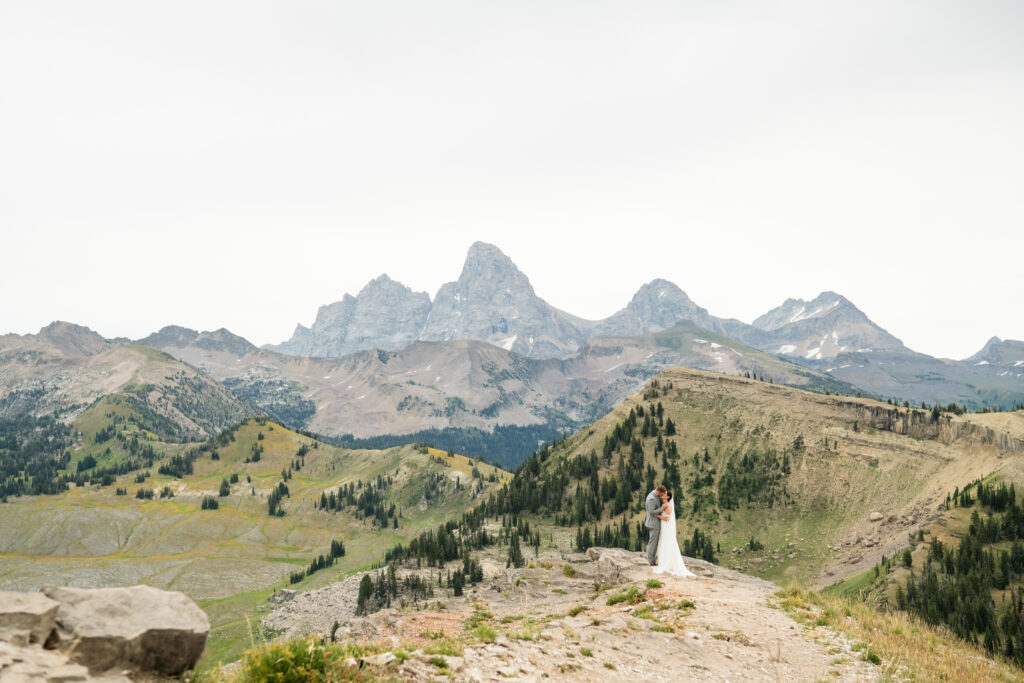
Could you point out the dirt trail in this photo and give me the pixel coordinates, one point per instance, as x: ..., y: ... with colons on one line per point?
x: 541, y: 623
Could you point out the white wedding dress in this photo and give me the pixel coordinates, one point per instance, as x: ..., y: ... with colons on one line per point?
x: 670, y: 560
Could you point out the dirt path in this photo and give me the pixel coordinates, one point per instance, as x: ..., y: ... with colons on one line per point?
x: 548, y: 622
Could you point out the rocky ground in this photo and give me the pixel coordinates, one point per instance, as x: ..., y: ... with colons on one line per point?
x: 553, y: 620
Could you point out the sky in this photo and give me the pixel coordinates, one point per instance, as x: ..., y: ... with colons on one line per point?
x: 239, y: 164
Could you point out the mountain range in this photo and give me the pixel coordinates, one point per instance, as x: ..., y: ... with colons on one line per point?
x: 486, y: 351
x: 493, y: 301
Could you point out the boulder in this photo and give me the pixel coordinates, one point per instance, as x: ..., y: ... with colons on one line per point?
x: 26, y: 618
x: 615, y: 565
x: 138, y: 627
x: 876, y: 517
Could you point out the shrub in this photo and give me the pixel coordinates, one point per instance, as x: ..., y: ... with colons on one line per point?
x: 301, y: 660
x: 485, y: 633
x: 632, y: 596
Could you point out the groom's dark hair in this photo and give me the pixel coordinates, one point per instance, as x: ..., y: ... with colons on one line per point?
x: 661, y: 489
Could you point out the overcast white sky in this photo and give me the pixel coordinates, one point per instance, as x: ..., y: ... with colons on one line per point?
x: 238, y: 164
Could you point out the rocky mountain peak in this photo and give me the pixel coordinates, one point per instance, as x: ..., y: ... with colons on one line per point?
x: 385, y: 314
x: 796, y: 310
x: 224, y: 340
x: 170, y: 336
x: 493, y: 301
x: 384, y: 290
x: 825, y: 327
x: 488, y: 269
x: 1000, y: 352
x: 73, y: 340
x: 657, y: 305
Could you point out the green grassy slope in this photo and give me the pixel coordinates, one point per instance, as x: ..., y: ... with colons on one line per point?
x: 229, y: 558
x: 816, y: 468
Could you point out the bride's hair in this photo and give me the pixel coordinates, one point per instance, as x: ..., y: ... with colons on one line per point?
x: 670, y: 495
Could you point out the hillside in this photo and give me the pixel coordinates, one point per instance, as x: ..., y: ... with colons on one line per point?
x: 230, y: 557
x: 963, y: 572
x: 775, y: 482
x: 757, y: 464
x: 65, y: 368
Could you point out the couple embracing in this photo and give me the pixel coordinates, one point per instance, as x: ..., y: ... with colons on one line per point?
x: 663, y: 548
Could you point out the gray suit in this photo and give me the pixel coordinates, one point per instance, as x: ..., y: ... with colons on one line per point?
x: 653, y: 524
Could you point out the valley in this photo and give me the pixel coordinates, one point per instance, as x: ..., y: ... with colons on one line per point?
x: 105, y: 535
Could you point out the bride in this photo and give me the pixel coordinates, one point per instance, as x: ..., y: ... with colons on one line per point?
x: 670, y: 560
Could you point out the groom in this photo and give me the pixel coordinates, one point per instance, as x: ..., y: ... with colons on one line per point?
x: 654, y: 501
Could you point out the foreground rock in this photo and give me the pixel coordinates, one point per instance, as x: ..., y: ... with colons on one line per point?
x: 138, y: 627
x: 100, y: 634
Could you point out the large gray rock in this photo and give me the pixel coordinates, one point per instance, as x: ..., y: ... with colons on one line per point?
x: 26, y: 618
x: 615, y: 565
x: 138, y: 627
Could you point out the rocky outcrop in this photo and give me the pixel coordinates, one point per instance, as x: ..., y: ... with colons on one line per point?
x: 137, y: 627
x: 921, y: 424
x: 99, y: 632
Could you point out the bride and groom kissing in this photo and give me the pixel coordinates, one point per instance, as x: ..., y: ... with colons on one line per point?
x: 663, y: 548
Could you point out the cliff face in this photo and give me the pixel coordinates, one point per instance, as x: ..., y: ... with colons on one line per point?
x: 921, y: 425
x: 384, y: 315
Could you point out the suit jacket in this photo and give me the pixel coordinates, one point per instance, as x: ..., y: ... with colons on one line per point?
x: 653, y: 505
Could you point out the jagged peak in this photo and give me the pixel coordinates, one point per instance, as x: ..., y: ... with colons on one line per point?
x: 795, y: 310
x: 487, y: 264
x: 383, y: 283
x: 486, y: 250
